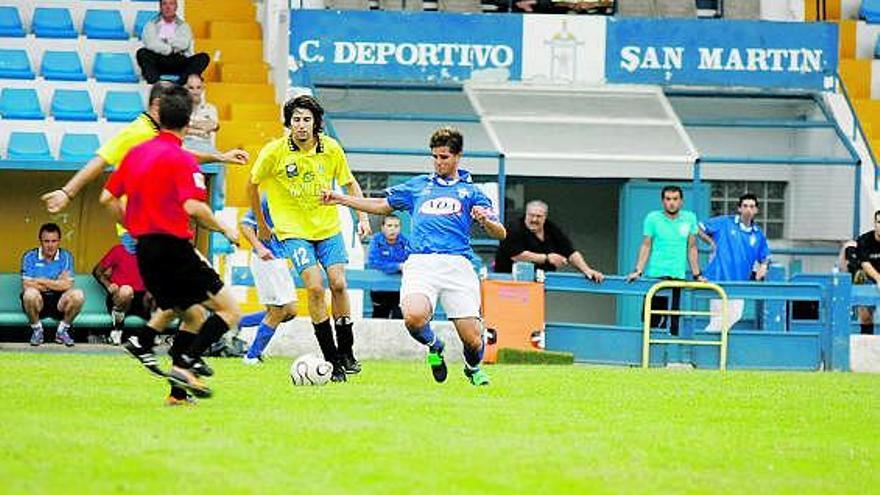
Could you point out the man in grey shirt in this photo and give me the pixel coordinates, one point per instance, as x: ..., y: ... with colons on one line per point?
x: 168, y: 47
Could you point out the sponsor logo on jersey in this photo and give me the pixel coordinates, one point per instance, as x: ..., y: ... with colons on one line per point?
x: 441, y: 206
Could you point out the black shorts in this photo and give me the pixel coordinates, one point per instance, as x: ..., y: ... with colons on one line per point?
x: 174, y: 273
x: 137, y: 308
x: 50, y: 304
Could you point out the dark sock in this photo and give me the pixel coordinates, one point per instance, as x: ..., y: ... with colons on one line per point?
x: 867, y: 328
x: 182, y: 342
x: 324, y: 334
x: 344, y: 335
x: 178, y: 393
x: 146, y: 336
x: 212, y: 329
x: 427, y: 337
x: 473, y: 357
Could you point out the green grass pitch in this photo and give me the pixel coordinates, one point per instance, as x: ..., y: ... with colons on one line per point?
x: 74, y: 423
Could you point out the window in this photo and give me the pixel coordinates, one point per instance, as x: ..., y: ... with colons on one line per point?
x: 372, y: 183
x: 771, y: 202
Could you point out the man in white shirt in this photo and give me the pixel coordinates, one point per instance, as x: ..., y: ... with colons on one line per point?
x: 168, y: 47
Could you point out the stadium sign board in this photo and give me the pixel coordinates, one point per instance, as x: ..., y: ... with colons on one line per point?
x: 404, y: 46
x: 721, y: 53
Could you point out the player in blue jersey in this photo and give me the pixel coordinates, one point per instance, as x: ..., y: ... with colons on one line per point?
x: 739, y: 253
x: 443, y: 206
x: 275, y: 287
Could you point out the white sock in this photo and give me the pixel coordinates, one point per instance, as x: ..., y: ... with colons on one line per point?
x: 63, y: 326
x: 37, y: 326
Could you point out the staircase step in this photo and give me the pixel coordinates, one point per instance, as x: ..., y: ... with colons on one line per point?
x: 232, y: 30
x: 254, y: 111
x: 231, y: 51
x: 250, y: 73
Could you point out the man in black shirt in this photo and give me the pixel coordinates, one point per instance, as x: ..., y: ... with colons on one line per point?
x: 537, y: 240
x: 868, y: 253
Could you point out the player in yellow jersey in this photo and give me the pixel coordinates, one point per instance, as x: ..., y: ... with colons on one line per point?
x: 141, y: 129
x: 292, y: 171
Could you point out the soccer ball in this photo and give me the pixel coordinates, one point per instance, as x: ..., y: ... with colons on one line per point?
x: 310, y: 370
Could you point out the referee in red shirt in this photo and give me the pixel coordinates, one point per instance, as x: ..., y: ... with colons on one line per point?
x: 164, y: 187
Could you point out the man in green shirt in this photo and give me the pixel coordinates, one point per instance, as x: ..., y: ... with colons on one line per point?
x: 668, y: 246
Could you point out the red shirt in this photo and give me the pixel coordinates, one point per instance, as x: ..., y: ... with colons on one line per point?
x: 158, y: 177
x: 123, y: 268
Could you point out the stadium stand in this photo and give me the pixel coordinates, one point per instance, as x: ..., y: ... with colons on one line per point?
x: 78, y: 147
x: 114, y: 67
x: 104, y: 24
x: 28, y: 146
x: 10, y: 22
x: 18, y: 103
x: 122, y: 106
x: 15, y: 64
x: 72, y: 104
x: 53, y: 23
x: 62, y: 66
x: 140, y: 20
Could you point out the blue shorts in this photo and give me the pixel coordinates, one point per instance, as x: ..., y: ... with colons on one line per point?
x: 305, y: 253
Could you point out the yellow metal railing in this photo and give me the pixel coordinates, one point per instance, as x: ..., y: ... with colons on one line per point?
x: 677, y: 284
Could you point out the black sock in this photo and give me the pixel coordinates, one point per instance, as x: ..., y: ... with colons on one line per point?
x: 178, y: 393
x: 211, y: 331
x: 324, y: 334
x: 146, y: 336
x: 182, y: 342
x: 867, y: 328
x: 344, y: 336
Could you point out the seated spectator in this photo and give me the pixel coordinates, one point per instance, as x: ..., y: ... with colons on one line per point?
x: 47, y: 286
x: 204, y: 123
x: 537, y: 240
x: 126, y: 295
x: 388, y: 250
x: 554, y: 6
x: 168, y: 47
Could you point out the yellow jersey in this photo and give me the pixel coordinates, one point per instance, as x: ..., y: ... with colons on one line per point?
x: 139, y: 130
x: 292, y: 180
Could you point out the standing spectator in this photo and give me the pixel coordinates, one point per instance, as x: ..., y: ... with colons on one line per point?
x: 203, y: 123
x: 126, y: 295
x: 168, y: 47
x: 739, y: 253
x: 388, y: 251
x: 537, y: 240
x: 47, y: 286
x: 868, y: 252
x: 668, y: 246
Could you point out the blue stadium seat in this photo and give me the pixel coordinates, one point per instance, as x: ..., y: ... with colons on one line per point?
x: 10, y: 22
x: 122, y: 106
x: 72, y: 104
x: 28, y: 146
x: 78, y: 147
x: 104, y: 25
x: 141, y: 20
x: 62, y: 66
x: 114, y: 67
x: 15, y: 64
x: 18, y: 103
x: 53, y: 23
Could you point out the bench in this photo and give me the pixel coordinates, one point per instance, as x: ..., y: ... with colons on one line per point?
x: 93, y: 315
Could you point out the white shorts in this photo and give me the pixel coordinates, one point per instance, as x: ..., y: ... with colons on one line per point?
x: 448, y: 276
x: 272, y: 278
